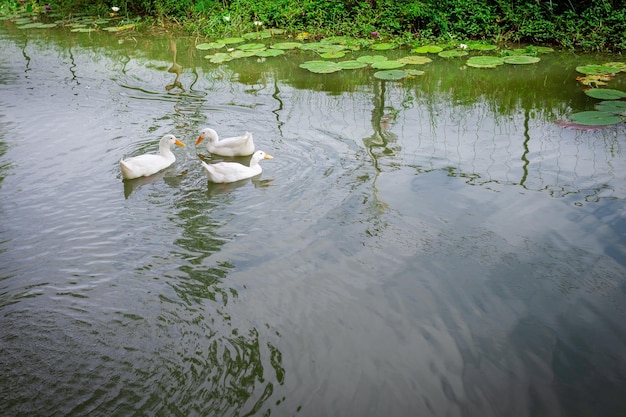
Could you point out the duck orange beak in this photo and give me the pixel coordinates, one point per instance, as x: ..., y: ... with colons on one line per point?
x: 268, y: 156
x: 200, y: 138
x: 179, y: 143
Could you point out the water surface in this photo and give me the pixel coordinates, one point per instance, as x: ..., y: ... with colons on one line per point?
x: 437, y: 246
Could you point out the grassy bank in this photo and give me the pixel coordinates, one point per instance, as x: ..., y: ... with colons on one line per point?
x: 590, y: 25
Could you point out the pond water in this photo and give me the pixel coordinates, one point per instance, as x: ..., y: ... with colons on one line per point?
x: 436, y: 246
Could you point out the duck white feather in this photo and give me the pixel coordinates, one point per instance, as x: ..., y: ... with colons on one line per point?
x: 236, y: 146
x: 224, y: 172
x: 148, y: 164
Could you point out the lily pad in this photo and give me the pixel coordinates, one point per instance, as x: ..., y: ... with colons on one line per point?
x: 614, y: 107
x: 210, y: 45
x: 385, y: 65
x: 453, y: 53
x: 251, y: 46
x: 521, y: 59
x: 333, y: 55
x: 484, y: 61
x: 351, y: 64
x: 228, y: 41
x: 37, y: 25
x: 242, y: 54
x: 390, y: 75
x: 481, y: 46
x: 414, y: 72
x: 286, y: 45
x: 595, y: 118
x: 322, y: 48
x: 595, y: 69
x: 620, y: 66
x: 264, y: 34
x: 415, y: 60
x: 543, y: 49
x: 269, y: 52
x: 370, y: 59
x: 219, y: 57
x: 428, y: 49
x: 385, y: 46
x: 605, y: 93
x: 320, y: 67
x: 83, y: 30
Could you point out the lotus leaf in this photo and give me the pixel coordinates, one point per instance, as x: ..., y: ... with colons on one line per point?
x: 385, y: 65
x: 251, y: 46
x: 242, y: 54
x: 521, y: 59
x: 219, y: 57
x: 414, y: 72
x: 370, y: 59
x: 481, y: 46
x: 383, y: 46
x: 453, y: 53
x: 276, y: 31
x: 484, y: 61
x: 605, y: 93
x: 320, y: 67
x: 22, y: 21
x: 615, y: 107
x: 543, y: 49
x: 595, y: 69
x: 415, y: 60
x: 37, y: 25
x: 321, y: 48
x: 431, y: 49
x: 351, y: 64
x: 83, y: 30
x: 286, y: 45
x: 390, y: 75
x: 230, y: 40
x: 620, y: 66
x: 210, y: 45
x: 264, y: 34
x: 269, y: 52
x: 595, y: 118
x: 333, y: 55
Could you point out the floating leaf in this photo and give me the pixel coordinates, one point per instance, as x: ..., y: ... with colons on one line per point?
x: 264, y: 34
x: 428, y: 49
x: 321, y: 48
x: 390, y: 74
x: 481, y: 46
x: 269, y: 52
x: 286, y: 45
x: 320, y: 67
x: 543, y: 49
x: 37, y: 25
x: 369, y: 59
x: 387, y: 64
x: 230, y: 40
x: 333, y: 55
x: 414, y: 72
x: 83, y: 30
x: 484, y: 61
x: 615, y: 107
x: 415, y: 60
x: 219, y: 57
x: 351, y: 64
x: 605, y: 93
x: 242, y: 54
x: 383, y: 46
x: 595, y: 118
x: 251, y: 46
x: 521, y: 59
x: 210, y: 45
x: 594, y: 80
x: 595, y: 69
x: 452, y: 53
x: 620, y: 66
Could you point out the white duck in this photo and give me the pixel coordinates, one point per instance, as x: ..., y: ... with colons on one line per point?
x: 236, y: 146
x: 148, y: 164
x: 223, y: 172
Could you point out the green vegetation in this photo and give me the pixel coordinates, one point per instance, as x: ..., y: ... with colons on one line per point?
x: 592, y: 25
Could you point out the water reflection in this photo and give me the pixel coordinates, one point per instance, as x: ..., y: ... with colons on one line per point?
x: 430, y: 246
